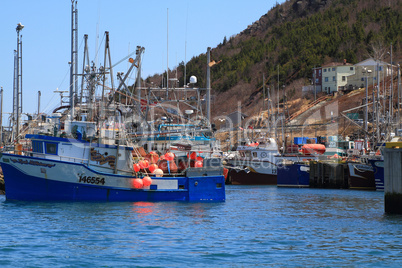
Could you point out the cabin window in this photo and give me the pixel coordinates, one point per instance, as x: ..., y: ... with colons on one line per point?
x: 37, y: 146
x: 254, y: 154
x: 51, y: 148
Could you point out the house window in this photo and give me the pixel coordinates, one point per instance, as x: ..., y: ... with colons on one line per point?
x: 333, y: 78
x: 326, y: 79
x: 325, y: 70
x: 343, y: 78
x: 362, y: 79
x: 319, y: 71
x: 325, y: 88
x: 333, y: 69
x: 351, y: 68
x: 329, y: 69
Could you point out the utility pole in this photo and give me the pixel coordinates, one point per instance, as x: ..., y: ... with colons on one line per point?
x: 315, y: 89
x: 39, y: 94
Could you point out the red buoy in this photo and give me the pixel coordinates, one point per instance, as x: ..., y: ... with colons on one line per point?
x: 193, y: 155
x: 198, y: 164
x: 169, y: 156
x: 136, y: 167
x: 137, y: 183
x: 144, y: 164
x: 225, y: 172
x: 152, y: 167
x: 147, y: 181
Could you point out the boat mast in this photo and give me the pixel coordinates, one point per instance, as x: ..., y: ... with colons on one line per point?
x: 1, y: 117
x: 17, y: 96
x: 74, y: 57
x: 208, y: 99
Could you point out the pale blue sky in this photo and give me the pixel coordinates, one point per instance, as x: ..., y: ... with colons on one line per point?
x: 46, y: 37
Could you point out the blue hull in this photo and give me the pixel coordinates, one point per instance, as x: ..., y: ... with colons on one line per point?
x: 378, y: 166
x: 294, y: 175
x: 24, y: 187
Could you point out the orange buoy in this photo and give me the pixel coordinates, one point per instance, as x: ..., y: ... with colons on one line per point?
x: 136, y: 167
x: 158, y: 172
x: 193, y: 155
x: 146, y: 181
x: 199, y: 158
x: 137, y: 183
x: 225, y: 172
x: 152, y: 167
x: 198, y: 164
x: 169, y: 156
x: 144, y: 164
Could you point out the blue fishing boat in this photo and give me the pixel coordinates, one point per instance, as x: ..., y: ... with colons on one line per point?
x: 293, y: 174
x: 86, y: 153
x: 378, y: 167
x: 55, y: 170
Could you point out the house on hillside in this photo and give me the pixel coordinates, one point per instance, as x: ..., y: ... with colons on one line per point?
x: 374, y: 70
x: 335, y: 76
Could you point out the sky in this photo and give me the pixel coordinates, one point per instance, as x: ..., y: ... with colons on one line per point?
x: 186, y: 27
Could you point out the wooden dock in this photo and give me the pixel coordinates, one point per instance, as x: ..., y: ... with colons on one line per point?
x: 328, y: 175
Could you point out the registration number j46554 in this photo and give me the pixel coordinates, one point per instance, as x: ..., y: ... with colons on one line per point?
x: 91, y: 180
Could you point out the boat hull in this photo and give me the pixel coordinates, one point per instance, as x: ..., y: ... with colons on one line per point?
x: 242, y: 177
x: 378, y: 167
x: 37, y: 179
x: 361, y: 176
x: 294, y: 175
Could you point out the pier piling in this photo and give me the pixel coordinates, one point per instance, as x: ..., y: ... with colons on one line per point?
x: 393, y: 180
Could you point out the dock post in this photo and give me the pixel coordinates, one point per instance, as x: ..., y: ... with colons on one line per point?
x: 393, y: 180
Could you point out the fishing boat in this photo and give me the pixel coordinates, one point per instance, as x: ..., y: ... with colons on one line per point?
x: 258, y: 163
x: 293, y: 174
x: 87, y: 158
x: 254, y: 164
x: 378, y: 169
x: 76, y: 170
x: 361, y: 174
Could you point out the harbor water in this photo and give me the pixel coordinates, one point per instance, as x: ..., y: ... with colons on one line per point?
x: 256, y: 226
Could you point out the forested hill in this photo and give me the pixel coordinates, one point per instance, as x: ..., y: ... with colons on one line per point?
x: 290, y: 40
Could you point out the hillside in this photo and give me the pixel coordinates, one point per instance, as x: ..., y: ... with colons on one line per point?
x: 287, y: 42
